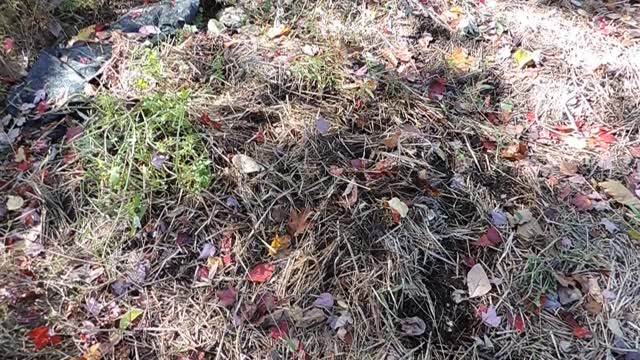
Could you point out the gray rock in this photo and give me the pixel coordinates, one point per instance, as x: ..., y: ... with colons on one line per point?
x: 232, y: 17
x: 215, y: 28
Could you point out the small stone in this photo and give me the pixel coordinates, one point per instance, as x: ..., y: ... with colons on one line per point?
x: 215, y: 28
x: 232, y: 17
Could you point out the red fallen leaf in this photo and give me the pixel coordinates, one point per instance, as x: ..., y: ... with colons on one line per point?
x: 489, y: 145
x: 395, y: 216
x: 227, y: 297
x: 482, y: 2
x: 437, y: 89
x: 202, y: 273
x: 634, y: 151
x: 216, y: 125
x: 24, y: 166
x: 469, y: 261
x: 101, y: 27
x: 336, y: 171
x: 359, y: 164
x: 515, y: 152
x: 298, y: 222
x: 603, y: 25
x: 280, y: 331
x: 73, y: 133
x: 493, y: 118
x: 482, y: 309
x: 261, y: 273
x: 606, y: 136
x: 582, y: 202
x: 259, y: 137
x: 41, y: 338
x: 228, y: 239
x: 578, y: 330
x: 42, y: 107
x: 491, y: 238
x: 531, y: 117
x: 564, y: 192
x: 70, y: 156
x: 581, y: 332
x: 564, y: 129
x: 516, y: 322
x: 183, y: 238
x: 8, y: 44
x: 84, y: 60
x: 267, y: 304
x: 227, y: 259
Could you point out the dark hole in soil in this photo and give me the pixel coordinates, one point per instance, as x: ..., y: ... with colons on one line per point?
x: 451, y: 322
x: 210, y: 8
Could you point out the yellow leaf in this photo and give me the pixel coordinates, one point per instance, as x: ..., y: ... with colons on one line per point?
x: 129, y: 317
x: 620, y: 193
x: 277, y: 31
x: 634, y: 235
x: 86, y: 34
x: 460, y: 60
x: 93, y: 353
x: 279, y: 243
x: 214, y: 263
x: 522, y: 58
x: 453, y: 16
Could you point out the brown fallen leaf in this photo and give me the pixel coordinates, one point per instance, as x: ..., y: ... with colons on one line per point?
x: 392, y: 141
x: 388, y: 55
x: 299, y: 221
x: 568, y: 168
x: 277, y: 31
x: 460, y: 60
x: 582, y: 202
x: 350, y: 195
x: 515, y: 152
x: 312, y: 317
x: 620, y: 193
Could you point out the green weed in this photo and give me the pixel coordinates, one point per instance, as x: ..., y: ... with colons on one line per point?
x: 122, y: 146
x: 217, y: 68
x: 317, y: 72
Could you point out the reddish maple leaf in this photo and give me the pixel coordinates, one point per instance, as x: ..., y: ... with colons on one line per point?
x: 606, y: 136
x: 216, y: 125
x: 516, y: 321
x: 491, y: 238
x: 259, y: 137
x: 227, y: 297
x: 437, y: 89
x: 582, y: 202
x: 42, y: 107
x: 531, y: 117
x: 24, y: 166
x: 41, y: 338
x: 280, y: 330
x: 8, y: 44
x: 73, y: 133
x: 202, y: 273
x: 261, y: 273
x: 299, y: 221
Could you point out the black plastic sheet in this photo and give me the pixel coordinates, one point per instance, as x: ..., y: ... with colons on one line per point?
x: 63, y: 73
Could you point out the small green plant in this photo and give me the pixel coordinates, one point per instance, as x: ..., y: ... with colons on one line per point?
x: 133, y: 155
x: 317, y: 71
x: 537, y: 278
x: 217, y: 68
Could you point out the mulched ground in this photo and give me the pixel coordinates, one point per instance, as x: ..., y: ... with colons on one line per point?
x: 364, y: 168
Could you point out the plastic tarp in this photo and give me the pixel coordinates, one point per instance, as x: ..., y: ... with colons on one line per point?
x: 64, y: 72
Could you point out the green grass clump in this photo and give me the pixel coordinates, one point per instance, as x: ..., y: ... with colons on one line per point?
x: 120, y: 145
x: 318, y: 72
